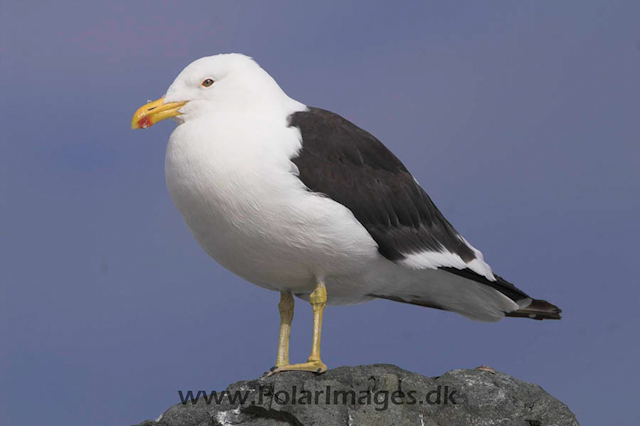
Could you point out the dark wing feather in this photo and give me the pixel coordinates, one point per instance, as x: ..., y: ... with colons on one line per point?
x: 355, y: 169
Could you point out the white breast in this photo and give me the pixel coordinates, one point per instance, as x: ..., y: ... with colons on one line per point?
x: 235, y: 186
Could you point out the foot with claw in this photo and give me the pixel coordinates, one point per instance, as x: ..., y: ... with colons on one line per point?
x: 317, y: 367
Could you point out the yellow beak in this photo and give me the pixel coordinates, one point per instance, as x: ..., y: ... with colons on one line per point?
x: 153, y: 112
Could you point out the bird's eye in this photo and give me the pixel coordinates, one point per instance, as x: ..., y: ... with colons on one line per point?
x: 208, y: 82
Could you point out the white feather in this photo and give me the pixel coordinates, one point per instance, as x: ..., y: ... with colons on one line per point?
x: 444, y: 258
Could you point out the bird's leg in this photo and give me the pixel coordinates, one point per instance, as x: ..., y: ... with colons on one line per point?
x: 318, y: 300
x: 286, y: 316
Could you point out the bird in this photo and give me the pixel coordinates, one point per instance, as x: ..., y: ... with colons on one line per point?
x: 299, y: 200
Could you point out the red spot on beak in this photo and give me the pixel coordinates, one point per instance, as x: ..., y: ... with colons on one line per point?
x: 145, y: 122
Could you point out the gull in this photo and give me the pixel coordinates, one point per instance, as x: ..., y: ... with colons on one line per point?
x: 298, y: 200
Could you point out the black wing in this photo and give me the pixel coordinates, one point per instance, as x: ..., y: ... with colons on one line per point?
x: 355, y: 169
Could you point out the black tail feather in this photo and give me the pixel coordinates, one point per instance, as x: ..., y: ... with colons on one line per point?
x: 538, y: 310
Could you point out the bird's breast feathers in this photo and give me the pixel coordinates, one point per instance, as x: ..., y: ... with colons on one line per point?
x: 238, y: 192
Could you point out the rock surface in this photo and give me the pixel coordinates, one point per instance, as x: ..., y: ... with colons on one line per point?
x: 372, y: 395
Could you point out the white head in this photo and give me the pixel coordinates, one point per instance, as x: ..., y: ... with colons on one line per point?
x: 213, y: 83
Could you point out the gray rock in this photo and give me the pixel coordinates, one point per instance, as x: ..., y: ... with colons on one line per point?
x: 373, y: 395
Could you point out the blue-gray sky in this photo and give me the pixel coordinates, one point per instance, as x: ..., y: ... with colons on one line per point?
x: 521, y: 119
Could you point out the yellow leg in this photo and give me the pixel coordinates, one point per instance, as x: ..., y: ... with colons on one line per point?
x: 286, y: 316
x: 318, y: 300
